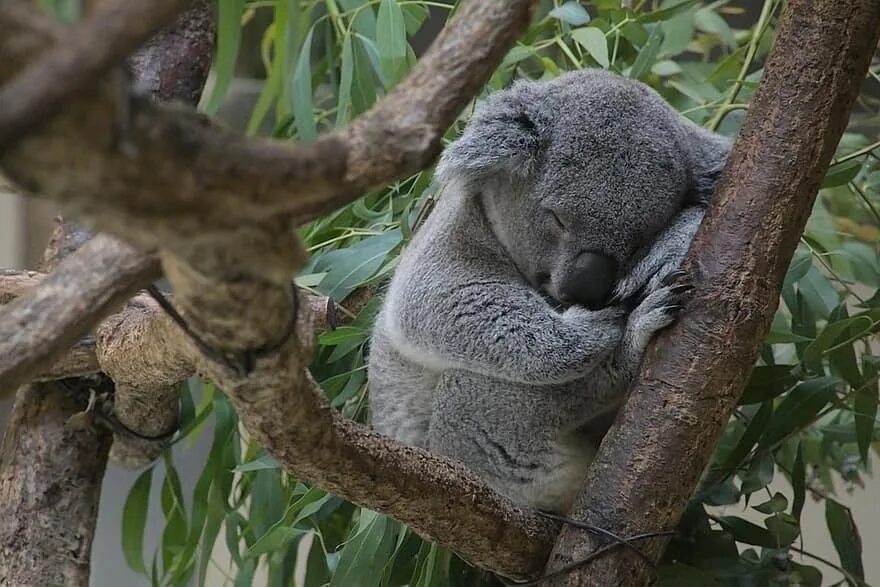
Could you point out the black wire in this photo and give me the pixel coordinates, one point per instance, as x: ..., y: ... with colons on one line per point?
x: 243, y: 361
x: 600, y: 532
x: 590, y: 558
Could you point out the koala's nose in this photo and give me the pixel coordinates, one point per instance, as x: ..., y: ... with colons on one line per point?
x: 590, y: 280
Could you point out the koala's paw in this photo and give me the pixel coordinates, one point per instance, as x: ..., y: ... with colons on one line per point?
x: 659, y: 308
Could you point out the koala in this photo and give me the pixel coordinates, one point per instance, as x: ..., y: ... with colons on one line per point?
x: 518, y: 315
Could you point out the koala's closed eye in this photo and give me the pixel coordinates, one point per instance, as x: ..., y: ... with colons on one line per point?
x: 556, y: 219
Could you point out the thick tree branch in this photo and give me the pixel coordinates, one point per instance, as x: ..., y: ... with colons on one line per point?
x: 50, y: 471
x: 693, y: 375
x: 50, y: 477
x: 116, y: 28
x: 36, y: 329
x: 213, y: 180
x: 82, y: 358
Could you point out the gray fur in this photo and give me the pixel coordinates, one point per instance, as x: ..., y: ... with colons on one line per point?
x: 476, y: 353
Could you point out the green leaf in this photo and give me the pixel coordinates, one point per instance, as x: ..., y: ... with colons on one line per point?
x: 798, y: 483
x: 667, y: 13
x: 709, y: 21
x: 751, y: 435
x: 365, y: 21
x: 783, y: 528
x: 748, y: 533
x: 799, y: 409
x: 228, y: 42
x: 362, y: 558
x: 767, y: 382
x: 354, y: 265
x: 134, y: 521
x: 784, y: 337
x: 274, y: 540
x: 346, y: 69
x: 842, y: 173
x: 776, y: 504
x: 262, y: 463
x: 391, y: 41
x: 831, y: 336
x: 301, y: 92
x: 342, y: 334
x: 865, y: 406
x: 593, y: 40
x: 845, y: 537
x: 729, y: 67
x: 759, y: 474
x: 571, y: 13
x: 647, y: 54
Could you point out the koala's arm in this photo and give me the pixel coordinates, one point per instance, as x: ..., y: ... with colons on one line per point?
x: 655, y: 312
x: 663, y: 256
x: 500, y: 329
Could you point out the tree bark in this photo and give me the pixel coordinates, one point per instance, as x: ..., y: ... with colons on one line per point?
x: 50, y: 475
x: 51, y: 470
x: 692, y: 376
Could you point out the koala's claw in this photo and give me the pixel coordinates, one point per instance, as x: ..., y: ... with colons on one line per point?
x: 673, y: 277
x: 681, y: 289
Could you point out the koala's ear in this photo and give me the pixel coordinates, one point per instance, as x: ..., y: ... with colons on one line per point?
x: 708, y: 152
x: 502, y: 137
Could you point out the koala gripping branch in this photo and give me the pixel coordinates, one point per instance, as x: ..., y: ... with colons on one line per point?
x: 692, y: 376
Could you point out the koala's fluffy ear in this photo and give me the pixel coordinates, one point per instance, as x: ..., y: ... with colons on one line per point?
x: 504, y: 136
x: 708, y: 153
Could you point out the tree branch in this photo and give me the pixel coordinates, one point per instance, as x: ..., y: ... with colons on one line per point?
x: 101, y: 41
x: 36, y: 329
x: 50, y: 477
x: 50, y: 471
x: 692, y: 376
x: 82, y: 358
x: 221, y: 180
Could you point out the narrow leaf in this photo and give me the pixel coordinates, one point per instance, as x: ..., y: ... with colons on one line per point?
x: 301, y: 92
x: 228, y: 42
x: 845, y: 537
x: 798, y: 409
x: 134, y: 520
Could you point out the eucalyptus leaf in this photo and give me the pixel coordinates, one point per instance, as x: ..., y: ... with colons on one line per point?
x: 845, y: 537
x: 571, y: 13
x: 593, y: 40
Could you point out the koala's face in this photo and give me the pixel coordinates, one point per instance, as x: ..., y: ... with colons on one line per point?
x: 576, y: 175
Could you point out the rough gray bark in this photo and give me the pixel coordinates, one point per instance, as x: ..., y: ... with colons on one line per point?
x: 692, y: 377
x: 50, y: 478
x: 115, y: 28
x: 35, y: 330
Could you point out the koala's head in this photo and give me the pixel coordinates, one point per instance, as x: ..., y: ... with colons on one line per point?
x: 575, y: 175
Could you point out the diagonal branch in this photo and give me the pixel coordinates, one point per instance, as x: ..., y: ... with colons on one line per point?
x: 692, y: 377
x: 103, y: 40
x: 221, y: 180
x: 37, y: 328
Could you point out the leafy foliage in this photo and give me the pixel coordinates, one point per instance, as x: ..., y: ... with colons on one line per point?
x: 809, y: 411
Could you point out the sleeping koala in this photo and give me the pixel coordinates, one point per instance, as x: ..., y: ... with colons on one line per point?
x: 519, y: 313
